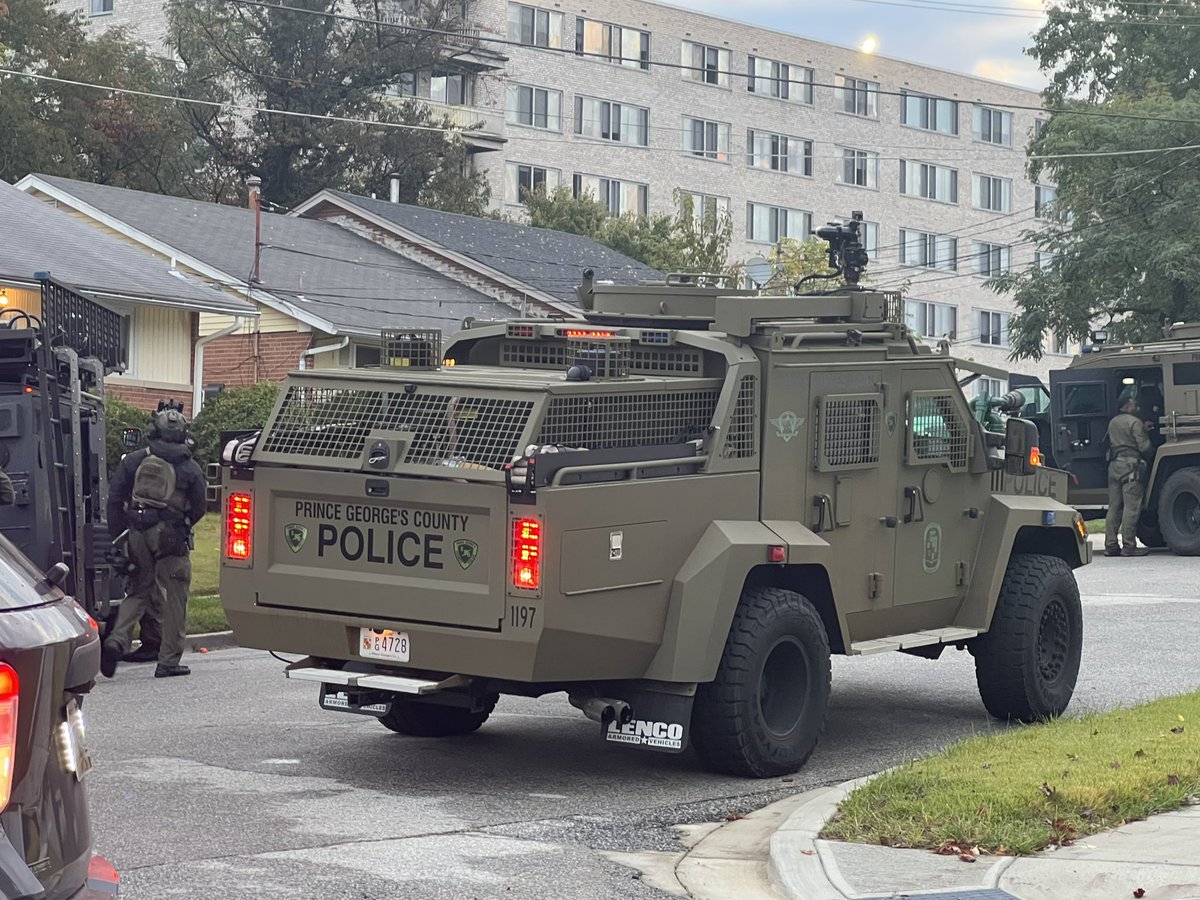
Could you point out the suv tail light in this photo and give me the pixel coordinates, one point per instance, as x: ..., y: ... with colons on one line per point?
x: 9, y: 690
x: 239, y: 523
x: 527, y: 554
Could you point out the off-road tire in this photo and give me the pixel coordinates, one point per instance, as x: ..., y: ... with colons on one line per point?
x: 1149, y: 533
x: 1179, y: 512
x: 1027, y: 663
x: 418, y: 719
x: 730, y: 729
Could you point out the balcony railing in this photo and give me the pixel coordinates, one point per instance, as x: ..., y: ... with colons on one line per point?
x: 471, y: 119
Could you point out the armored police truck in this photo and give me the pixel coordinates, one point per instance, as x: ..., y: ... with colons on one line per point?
x: 673, y: 510
x: 1073, y: 412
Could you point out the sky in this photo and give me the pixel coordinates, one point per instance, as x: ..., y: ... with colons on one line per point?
x: 990, y: 46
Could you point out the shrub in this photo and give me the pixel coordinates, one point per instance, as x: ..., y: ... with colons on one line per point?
x: 231, y: 410
x: 120, y: 415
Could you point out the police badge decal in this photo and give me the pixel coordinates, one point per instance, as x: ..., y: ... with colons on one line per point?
x: 466, y: 552
x: 295, y: 535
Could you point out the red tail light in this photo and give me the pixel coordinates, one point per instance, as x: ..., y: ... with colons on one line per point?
x: 527, y: 554
x: 239, y: 522
x: 9, y: 689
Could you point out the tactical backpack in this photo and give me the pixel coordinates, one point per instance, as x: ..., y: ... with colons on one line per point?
x: 154, y: 482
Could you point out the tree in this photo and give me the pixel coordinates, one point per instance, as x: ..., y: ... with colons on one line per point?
x: 236, y: 409
x: 680, y: 243
x: 1116, y: 246
x: 322, y: 58
x: 795, y: 260
x: 80, y: 132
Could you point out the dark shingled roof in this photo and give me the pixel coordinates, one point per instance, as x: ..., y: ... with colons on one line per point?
x: 321, y: 269
x: 36, y: 237
x: 548, y: 261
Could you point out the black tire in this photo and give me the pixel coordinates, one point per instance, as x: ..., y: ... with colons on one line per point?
x: 766, y: 709
x: 1179, y: 512
x: 418, y: 719
x: 1149, y: 533
x: 1027, y: 663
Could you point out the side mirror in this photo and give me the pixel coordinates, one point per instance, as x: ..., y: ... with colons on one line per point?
x: 57, y: 573
x: 131, y: 437
x: 1021, y: 453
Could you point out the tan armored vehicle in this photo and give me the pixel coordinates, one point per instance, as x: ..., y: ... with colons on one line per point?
x: 673, y: 511
x: 1073, y: 413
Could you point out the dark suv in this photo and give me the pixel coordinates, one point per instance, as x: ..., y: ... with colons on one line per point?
x: 49, y: 657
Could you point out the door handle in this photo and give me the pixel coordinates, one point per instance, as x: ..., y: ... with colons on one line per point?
x: 824, y: 507
x: 915, y: 511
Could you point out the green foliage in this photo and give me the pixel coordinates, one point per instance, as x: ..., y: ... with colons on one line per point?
x: 232, y: 410
x: 119, y: 416
x: 80, y: 132
x: 1120, y: 239
x: 324, y: 66
x: 681, y: 243
x: 794, y: 260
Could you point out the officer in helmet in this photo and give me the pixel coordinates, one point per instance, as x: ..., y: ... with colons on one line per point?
x: 158, y: 494
x: 1128, y: 446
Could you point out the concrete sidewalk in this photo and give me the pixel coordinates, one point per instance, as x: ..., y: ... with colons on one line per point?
x: 1159, y: 857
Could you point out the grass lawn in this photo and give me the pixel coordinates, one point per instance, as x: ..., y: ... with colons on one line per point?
x: 1028, y: 788
x: 206, y: 558
x: 1095, y: 526
x: 206, y: 614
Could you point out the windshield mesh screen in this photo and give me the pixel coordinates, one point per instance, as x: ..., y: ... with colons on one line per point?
x: 334, y: 424
x: 603, y: 421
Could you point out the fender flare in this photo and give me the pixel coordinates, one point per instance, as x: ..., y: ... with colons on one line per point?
x: 706, y: 591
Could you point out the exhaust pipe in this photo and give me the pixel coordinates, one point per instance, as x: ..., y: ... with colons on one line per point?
x: 603, y: 709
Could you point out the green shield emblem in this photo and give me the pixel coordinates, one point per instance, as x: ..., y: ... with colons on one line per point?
x: 466, y: 552
x: 295, y: 535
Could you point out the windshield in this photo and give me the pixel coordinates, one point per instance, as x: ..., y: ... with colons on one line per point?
x: 21, y: 584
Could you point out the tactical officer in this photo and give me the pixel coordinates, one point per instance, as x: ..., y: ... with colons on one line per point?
x: 1128, y: 445
x: 158, y: 494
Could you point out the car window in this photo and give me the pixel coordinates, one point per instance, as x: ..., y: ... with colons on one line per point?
x: 1084, y: 399
x: 21, y: 584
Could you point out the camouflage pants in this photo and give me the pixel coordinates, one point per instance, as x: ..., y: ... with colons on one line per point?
x: 1125, y: 495
x: 159, y: 590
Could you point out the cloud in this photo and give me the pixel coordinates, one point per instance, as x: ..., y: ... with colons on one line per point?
x: 1016, y: 70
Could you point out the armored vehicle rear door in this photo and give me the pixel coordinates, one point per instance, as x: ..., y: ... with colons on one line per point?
x: 935, y: 538
x: 1083, y: 402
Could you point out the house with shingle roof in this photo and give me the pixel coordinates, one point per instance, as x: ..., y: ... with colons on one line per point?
x: 161, y: 305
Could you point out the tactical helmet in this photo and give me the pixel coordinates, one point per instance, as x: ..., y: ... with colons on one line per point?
x: 169, y: 422
x: 1130, y: 393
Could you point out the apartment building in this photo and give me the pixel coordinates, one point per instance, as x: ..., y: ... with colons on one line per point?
x: 648, y: 107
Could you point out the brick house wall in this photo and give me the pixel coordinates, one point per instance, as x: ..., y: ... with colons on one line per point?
x: 147, y: 397
x: 243, y: 360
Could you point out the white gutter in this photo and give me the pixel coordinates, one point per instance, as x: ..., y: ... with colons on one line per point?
x: 198, y: 361
x: 313, y: 351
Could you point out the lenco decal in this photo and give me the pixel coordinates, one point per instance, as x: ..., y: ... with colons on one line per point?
x: 647, y: 734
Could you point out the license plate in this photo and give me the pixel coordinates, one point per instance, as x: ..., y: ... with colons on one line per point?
x: 386, y: 644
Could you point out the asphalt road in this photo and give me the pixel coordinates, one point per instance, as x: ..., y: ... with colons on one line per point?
x: 233, y: 784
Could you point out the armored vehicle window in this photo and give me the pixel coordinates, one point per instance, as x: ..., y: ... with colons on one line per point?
x: 848, y: 431
x: 937, y: 430
x: 642, y: 419
x: 1186, y: 373
x: 1085, y: 399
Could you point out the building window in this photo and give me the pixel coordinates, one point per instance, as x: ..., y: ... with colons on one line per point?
x: 991, y: 193
x: 993, y: 328
x: 990, y: 259
x: 100, y: 7
x: 624, y: 46
x: 868, y: 233
x: 704, y: 138
x: 619, y: 197
x: 769, y: 78
x: 918, y: 179
x: 367, y: 357
x: 770, y: 224
x: 534, y: 27
x: 779, y: 153
x: 519, y: 178
x: 449, y: 89
x: 706, y: 210
x: 932, y: 251
x: 708, y: 65
x: 1039, y: 125
x: 929, y: 113
x: 932, y: 320
x: 608, y: 121
x: 1042, y: 259
x: 993, y: 387
x: 993, y: 126
x: 855, y: 96
x: 859, y: 168
x: 535, y: 107
x: 1043, y: 201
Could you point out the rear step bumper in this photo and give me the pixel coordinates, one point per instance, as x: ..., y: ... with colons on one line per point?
x: 399, y: 684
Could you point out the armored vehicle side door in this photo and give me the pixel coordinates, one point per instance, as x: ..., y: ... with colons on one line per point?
x: 1082, y: 401
x: 850, y: 475
x: 1036, y: 410
x: 935, y: 536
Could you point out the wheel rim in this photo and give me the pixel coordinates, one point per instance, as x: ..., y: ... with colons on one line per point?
x: 1054, y: 640
x: 783, y: 687
x: 1185, y: 512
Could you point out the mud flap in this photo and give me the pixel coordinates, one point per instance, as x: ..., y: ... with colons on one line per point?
x: 352, y: 700
x: 660, y: 722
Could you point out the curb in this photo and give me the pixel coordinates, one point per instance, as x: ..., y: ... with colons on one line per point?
x: 213, y: 640
x: 803, y: 867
